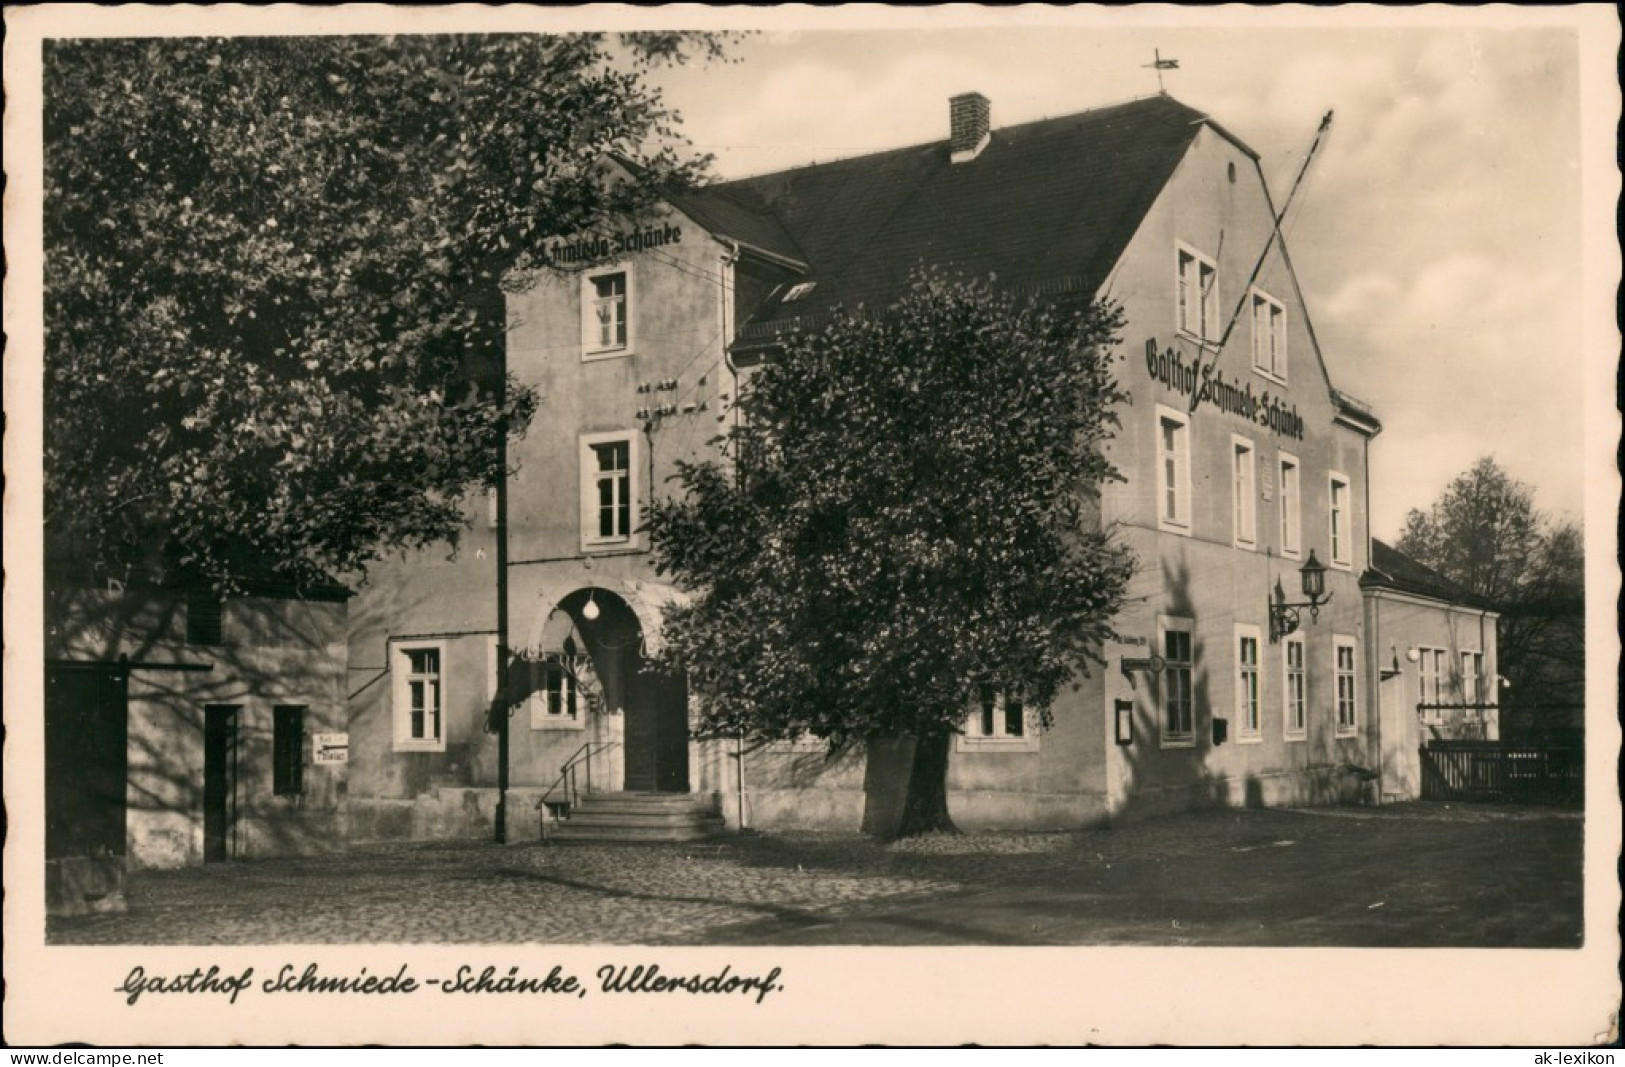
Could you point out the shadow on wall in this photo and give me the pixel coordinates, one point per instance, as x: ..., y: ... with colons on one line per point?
x: 1158, y: 780
x: 197, y: 777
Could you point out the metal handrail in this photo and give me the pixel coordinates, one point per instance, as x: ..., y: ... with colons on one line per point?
x: 568, y: 778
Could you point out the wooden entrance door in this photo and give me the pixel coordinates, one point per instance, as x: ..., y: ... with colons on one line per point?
x: 1401, y: 769
x: 219, y: 782
x: 86, y: 760
x: 657, y: 733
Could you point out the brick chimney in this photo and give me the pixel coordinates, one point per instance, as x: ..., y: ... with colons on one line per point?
x: 969, y: 126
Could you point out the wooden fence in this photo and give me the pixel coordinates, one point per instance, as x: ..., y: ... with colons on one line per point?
x: 1531, y: 771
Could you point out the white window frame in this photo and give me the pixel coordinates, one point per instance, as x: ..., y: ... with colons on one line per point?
x: 974, y: 738
x: 401, y: 677
x: 1289, y: 494
x: 1249, y: 681
x: 1289, y: 730
x: 1433, y: 669
x: 1167, y: 738
x: 1340, y: 521
x: 1206, y: 326
x: 592, y: 347
x: 1472, y: 678
x: 542, y: 715
x: 490, y: 668
x: 591, y: 537
x: 1244, y: 492
x: 1181, y: 522
x: 1269, y: 359
x: 1350, y: 676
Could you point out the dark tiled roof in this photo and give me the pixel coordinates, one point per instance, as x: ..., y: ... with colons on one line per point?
x: 721, y: 214
x: 1046, y: 203
x: 1392, y: 569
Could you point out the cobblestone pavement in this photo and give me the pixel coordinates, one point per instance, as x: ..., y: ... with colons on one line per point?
x: 1221, y: 870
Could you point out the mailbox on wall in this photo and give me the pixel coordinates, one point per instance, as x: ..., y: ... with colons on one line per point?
x: 1221, y: 731
x: 1125, y: 722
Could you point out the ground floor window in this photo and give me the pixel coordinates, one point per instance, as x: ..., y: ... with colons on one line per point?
x: 1472, y: 674
x: 998, y: 715
x: 1433, y: 673
x: 1295, y: 687
x: 419, y: 695
x: 561, y: 692
x: 1177, y: 714
x: 287, y: 750
x: 1249, y: 721
x: 1348, y: 718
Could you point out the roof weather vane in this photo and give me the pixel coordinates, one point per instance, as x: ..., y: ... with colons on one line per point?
x: 1159, y: 65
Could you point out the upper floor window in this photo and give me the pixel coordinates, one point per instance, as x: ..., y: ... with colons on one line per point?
x: 609, y: 488
x: 1269, y: 335
x: 419, y: 695
x: 1290, y: 509
x: 204, y: 618
x: 1341, y: 524
x: 1198, y: 295
x: 1173, y: 470
x: 606, y: 312
x: 1243, y: 492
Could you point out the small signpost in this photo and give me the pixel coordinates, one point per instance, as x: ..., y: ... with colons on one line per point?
x: 330, y: 748
x: 1130, y: 664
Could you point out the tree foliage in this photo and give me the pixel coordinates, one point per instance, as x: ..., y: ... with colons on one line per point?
x: 1485, y: 534
x: 270, y: 272
x: 910, y: 516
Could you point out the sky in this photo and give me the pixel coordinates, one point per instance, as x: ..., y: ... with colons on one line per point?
x: 1437, y: 237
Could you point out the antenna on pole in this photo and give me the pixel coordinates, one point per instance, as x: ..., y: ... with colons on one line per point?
x: 1275, y: 235
x: 1159, y: 65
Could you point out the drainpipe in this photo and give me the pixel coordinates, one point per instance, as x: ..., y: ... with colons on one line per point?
x: 728, y: 318
x: 739, y: 758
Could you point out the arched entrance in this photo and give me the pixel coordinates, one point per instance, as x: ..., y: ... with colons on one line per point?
x: 654, y: 702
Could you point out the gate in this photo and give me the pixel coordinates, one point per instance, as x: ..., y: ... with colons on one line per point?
x: 1533, y: 771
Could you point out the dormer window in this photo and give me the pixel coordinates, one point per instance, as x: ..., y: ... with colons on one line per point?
x: 797, y: 291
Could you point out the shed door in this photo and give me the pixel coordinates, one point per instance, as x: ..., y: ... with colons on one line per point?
x: 86, y: 760
x: 219, y: 782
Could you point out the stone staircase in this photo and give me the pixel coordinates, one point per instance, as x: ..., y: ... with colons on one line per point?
x: 634, y: 817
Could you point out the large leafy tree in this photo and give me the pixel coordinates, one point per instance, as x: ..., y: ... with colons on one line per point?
x: 1485, y: 534
x: 271, y: 275
x: 908, y: 518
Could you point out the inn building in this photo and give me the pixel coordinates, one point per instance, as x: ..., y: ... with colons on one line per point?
x: 1246, y: 490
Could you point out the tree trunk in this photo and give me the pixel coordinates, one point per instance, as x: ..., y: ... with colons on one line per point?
x: 925, y: 807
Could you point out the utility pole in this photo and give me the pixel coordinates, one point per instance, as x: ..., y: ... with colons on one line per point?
x: 502, y: 714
